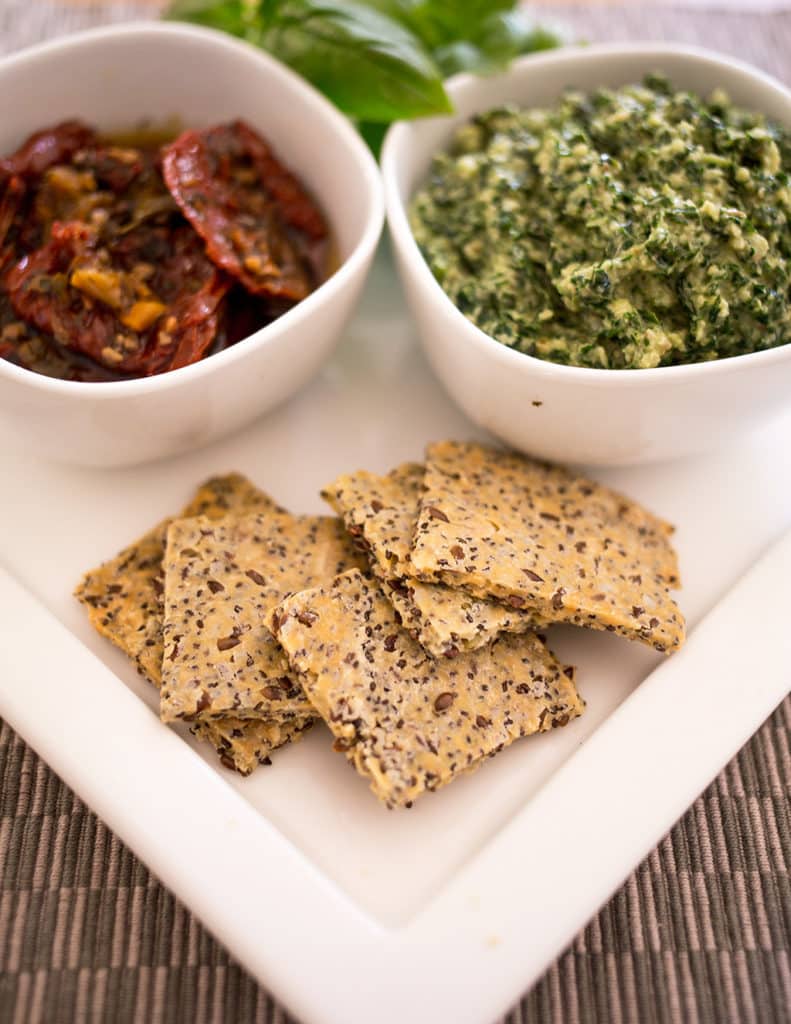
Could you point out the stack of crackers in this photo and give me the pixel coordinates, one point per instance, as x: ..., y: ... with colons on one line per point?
x: 411, y: 623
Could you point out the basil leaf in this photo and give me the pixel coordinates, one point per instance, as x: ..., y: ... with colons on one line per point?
x: 478, y: 35
x: 461, y: 56
x: 374, y: 134
x: 440, y: 23
x: 372, y: 67
x: 508, y: 34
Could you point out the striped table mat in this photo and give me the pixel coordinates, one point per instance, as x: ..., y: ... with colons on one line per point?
x: 699, y: 933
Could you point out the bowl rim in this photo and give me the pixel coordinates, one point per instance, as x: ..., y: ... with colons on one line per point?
x: 397, y: 140
x: 302, y: 312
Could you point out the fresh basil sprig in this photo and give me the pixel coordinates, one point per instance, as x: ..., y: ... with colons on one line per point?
x: 378, y: 60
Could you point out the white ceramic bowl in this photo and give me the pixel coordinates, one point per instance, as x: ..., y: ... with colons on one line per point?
x: 604, y: 417
x: 112, y: 78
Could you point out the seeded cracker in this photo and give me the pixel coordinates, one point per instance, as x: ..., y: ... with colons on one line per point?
x: 409, y: 722
x: 123, y: 598
x: 381, y: 513
x: 221, y: 581
x: 501, y: 525
x: 244, y: 744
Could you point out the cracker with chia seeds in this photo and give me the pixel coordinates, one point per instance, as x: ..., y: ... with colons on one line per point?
x: 243, y: 744
x: 380, y: 512
x: 221, y: 581
x: 123, y: 600
x: 504, y: 526
x: 409, y: 722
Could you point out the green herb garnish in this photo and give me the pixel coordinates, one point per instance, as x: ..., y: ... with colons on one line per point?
x: 378, y: 60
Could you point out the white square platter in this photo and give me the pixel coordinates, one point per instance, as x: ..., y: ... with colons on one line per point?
x: 348, y: 913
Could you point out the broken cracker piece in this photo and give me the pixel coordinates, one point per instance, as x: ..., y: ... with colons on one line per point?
x: 408, y: 722
x: 243, y: 744
x: 500, y: 525
x: 221, y: 581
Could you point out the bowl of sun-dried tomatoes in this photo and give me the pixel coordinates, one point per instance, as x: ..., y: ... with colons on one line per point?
x: 185, y: 228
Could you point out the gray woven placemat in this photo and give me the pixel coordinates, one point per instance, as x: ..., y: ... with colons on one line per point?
x: 699, y: 933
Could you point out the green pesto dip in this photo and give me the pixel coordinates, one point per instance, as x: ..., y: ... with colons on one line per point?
x: 625, y: 229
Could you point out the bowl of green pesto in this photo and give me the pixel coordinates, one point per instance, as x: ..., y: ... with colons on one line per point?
x: 597, y: 249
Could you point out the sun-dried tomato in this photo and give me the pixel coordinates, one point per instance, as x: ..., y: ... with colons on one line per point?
x: 21, y: 177
x: 256, y: 219
x: 149, y: 304
x: 46, y: 148
x: 297, y: 208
